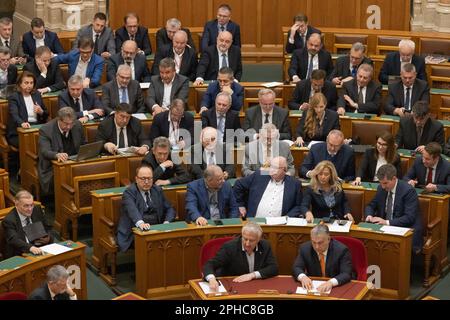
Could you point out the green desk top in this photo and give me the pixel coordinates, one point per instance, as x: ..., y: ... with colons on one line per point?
x: 387, y: 116
x: 369, y: 185
x: 226, y: 222
x: 118, y: 190
x: 446, y: 123
x: 359, y: 115
x: 258, y: 220
x: 371, y: 226
x: 13, y: 263
x: 169, y: 226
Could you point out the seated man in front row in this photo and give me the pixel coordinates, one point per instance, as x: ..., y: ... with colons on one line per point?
x: 122, y: 130
x: 210, y: 198
x: 322, y: 257
x: 143, y: 204
x: 247, y: 256
x: 23, y: 214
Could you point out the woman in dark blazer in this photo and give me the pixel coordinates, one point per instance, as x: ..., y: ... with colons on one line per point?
x: 317, y: 121
x: 25, y: 107
x: 384, y: 152
x: 325, y: 196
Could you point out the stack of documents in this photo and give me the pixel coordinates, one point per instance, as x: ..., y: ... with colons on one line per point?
x: 315, y: 285
x: 55, y: 248
x: 398, y: 231
x: 335, y: 227
x: 207, y: 290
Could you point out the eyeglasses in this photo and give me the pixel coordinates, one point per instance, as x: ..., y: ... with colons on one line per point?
x: 382, y: 144
x: 145, y: 179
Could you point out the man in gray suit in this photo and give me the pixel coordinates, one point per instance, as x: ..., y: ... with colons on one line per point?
x: 104, y: 44
x: 166, y: 87
x: 268, y: 112
x: 259, y: 153
x: 7, y: 40
x: 122, y: 90
x: 58, y: 139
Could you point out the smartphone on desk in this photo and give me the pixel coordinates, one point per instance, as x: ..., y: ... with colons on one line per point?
x: 218, y: 222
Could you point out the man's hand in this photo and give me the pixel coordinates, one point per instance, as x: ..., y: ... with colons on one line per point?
x: 350, y: 101
x: 37, y: 108
x: 379, y: 220
x: 324, y: 287
x: 25, y: 125
x: 111, y: 147
x: 141, y: 150
x: 41, y: 66
x: 399, y: 111
x: 35, y: 250
x: 69, y: 290
x: 213, y: 284
x: 86, y: 82
x: 227, y: 89
x: 83, y: 119
x: 431, y: 187
x: 98, y: 111
x: 294, y: 29
x: 309, y: 217
x: 198, y: 82
x: 167, y: 164
x: 369, y: 219
x: 413, y: 183
x: 357, y: 181
x: 61, y: 157
x: 43, y: 90
x: 341, y: 111
x: 420, y: 149
x: 144, y: 226
x: 245, y: 277
x: 202, y: 109
x: 201, y: 221
x: 162, y: 182
x: 139, y: 51
x: 306, y: 283
x: 299, y: 142
x: 106, y: 55
x: 242, y: 211
x: 337, y: 80
x: 181, y: 144
x: 349, y: 217
x: 157, y: 109
x: 296, y: 79
x: 304, y: 106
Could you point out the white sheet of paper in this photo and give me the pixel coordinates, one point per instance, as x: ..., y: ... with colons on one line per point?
x: 55, y: 248
x: 399, y: 231
x: 140, y: 116
x: 313, y: 142
x: 276, y: 221
x: 272, y: 84
x: 205, y: 287
x: 315, y: 285
x: 335, y: 227
x: 145, y: 85
x: 296, y: 222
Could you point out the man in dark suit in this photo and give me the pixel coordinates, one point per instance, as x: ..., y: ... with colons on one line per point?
x: 313, y: 57
x: 222, y: 118
x: 47, y: 72
x: 164, y: 36
x: 395, y: 204
x: 8, y: 71
x: 175, y: 124
x: 299, y: 33
x: 143, y: 204
x: 210, y: 197
x: 402, y: 95
x: 211, y: 151
x: 306, y: 88
x: 322, y: 257
x: 8, y: 40
x: 447, y: 148
x: 184, y: 56
x: 394, y: 60
x: 165, y: 170
x: 122, y: 130
x: 269, y: 192
x: 56, y: 287
x: 103, y: 36
x: 137, y: 62
x: 362, y: 94
x: 347, y: 66
x: 23, y: 214
x: 335, y: 151
x: 268, y: 112
x: 166, y: 87
x: 223, y: 23
x: 38, y: 36
x: 431, y: 171
x: 123, y: 89
x: 217, y: 56
x: 419, y: 129
x: 58, y: 139
x: 131, y: 30
x: 83, y: 101
x: 247, y: 256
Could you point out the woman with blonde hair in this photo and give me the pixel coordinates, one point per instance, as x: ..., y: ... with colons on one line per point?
x: 325, y: 196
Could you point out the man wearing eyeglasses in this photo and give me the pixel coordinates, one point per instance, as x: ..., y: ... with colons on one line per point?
x: 143, y: 205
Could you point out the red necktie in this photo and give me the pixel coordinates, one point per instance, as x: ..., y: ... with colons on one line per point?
x: 430, y: 176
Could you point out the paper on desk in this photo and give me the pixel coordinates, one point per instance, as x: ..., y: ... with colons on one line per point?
x: 272, y: 84
x: 207, y: 290
x: 140, y: 116
x: 335, y: 227
x: 296, y: 222
x: 399, y: 231
x: 127, y: 150
x: 275, y: 221
x: 145, y: 85
x: 315, y: 285
x: 55, y: 248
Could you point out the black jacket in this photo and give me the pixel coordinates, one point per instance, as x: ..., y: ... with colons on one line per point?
x: 368, y: 165
x: 302, y: 93
x: 54, y: 79
x: 176, y: 175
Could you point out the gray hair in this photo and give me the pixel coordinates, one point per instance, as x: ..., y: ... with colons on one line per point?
x: 177, y: 104
x: 407, y: 43
x: 211, y: 170
x: 5, y: 50
x: 75, y: 79
x: 123, y: 67
x: 420, y: 108
x: 161, y: 142
x: 366, y: 67
x: 167, y: 63
x: 183, y: 33
x: 408, y: 67
x: 174, y: 22
x: 358, y: 46
x: 319, y: 230
x: 336, y: 132
x: 23, y: 194
x: 254, y: 228
x: 266, y: 127
x: 56, y: 273
x: 387, y: 171
x: 66, y: 112
x: 266, y: 91
x: 225, y: 94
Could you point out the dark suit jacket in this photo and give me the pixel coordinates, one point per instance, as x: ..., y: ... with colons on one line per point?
x: 396, y: 95
x: 302, y: 93
x: 406, y: 138
x: 338, y: 262
x: 51, y: 41
x: 368, y: 165
x: 141, y: 38
x: 392, y: 65
x: 155, y: 95
x: 89, y: 99
x: 208, y: 66
x: 197, y: 201
x: 15, y: 237
x: 162, y: 39
x: 43, y: 293
x: 231, y: 260
x: 211, y: 31
x: 330, y: 122
x: 106, y: 132
x: 160, y: 126
x: 110, y: 96
x: 133, y: 207
x: 141, y: 72
x: 342, y: 67
x: 253, y: 119
x: 232, y: 121
x: 176, y: 175
x: 319, y: 208
x: 50, y: 143
x: 237, y: 98
x: 106, y: 42
x: 189, y: 61
x: 198, y: 163
x: 298, y: 40
x: 372, y: 99
x: 249, y: 191
x: 344, y: 160
x: 442, y: 174
x: 54, y: 79
x: 299, y: 63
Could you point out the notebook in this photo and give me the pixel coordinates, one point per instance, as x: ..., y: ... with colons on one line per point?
x: 34, y: 231
x: 87, y: 151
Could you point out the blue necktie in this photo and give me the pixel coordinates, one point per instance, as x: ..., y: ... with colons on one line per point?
x: 354, y: 71
x: 124, y: 98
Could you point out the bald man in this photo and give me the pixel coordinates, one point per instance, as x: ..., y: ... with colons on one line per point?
x: 128, y: 55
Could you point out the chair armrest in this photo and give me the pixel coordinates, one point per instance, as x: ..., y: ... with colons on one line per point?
x: 32, y: 155
x: 68, y: 188
x: 108, y: 222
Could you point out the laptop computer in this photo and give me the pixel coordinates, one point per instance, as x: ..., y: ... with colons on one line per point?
x: 87, y: 151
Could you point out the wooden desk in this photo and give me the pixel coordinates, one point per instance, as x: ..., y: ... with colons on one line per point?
x: 129, y: 296
x: 6, y: 198
x: 31, y: 275
x: 285, y: 287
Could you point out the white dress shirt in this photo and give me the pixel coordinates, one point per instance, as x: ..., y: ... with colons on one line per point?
x: 178, y: 58
x: 174, y: 132
x: 125, y: 136
x: 271, y: 204
x: 82, y: 68
x: 39, y: 42
x: 30, y: 109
